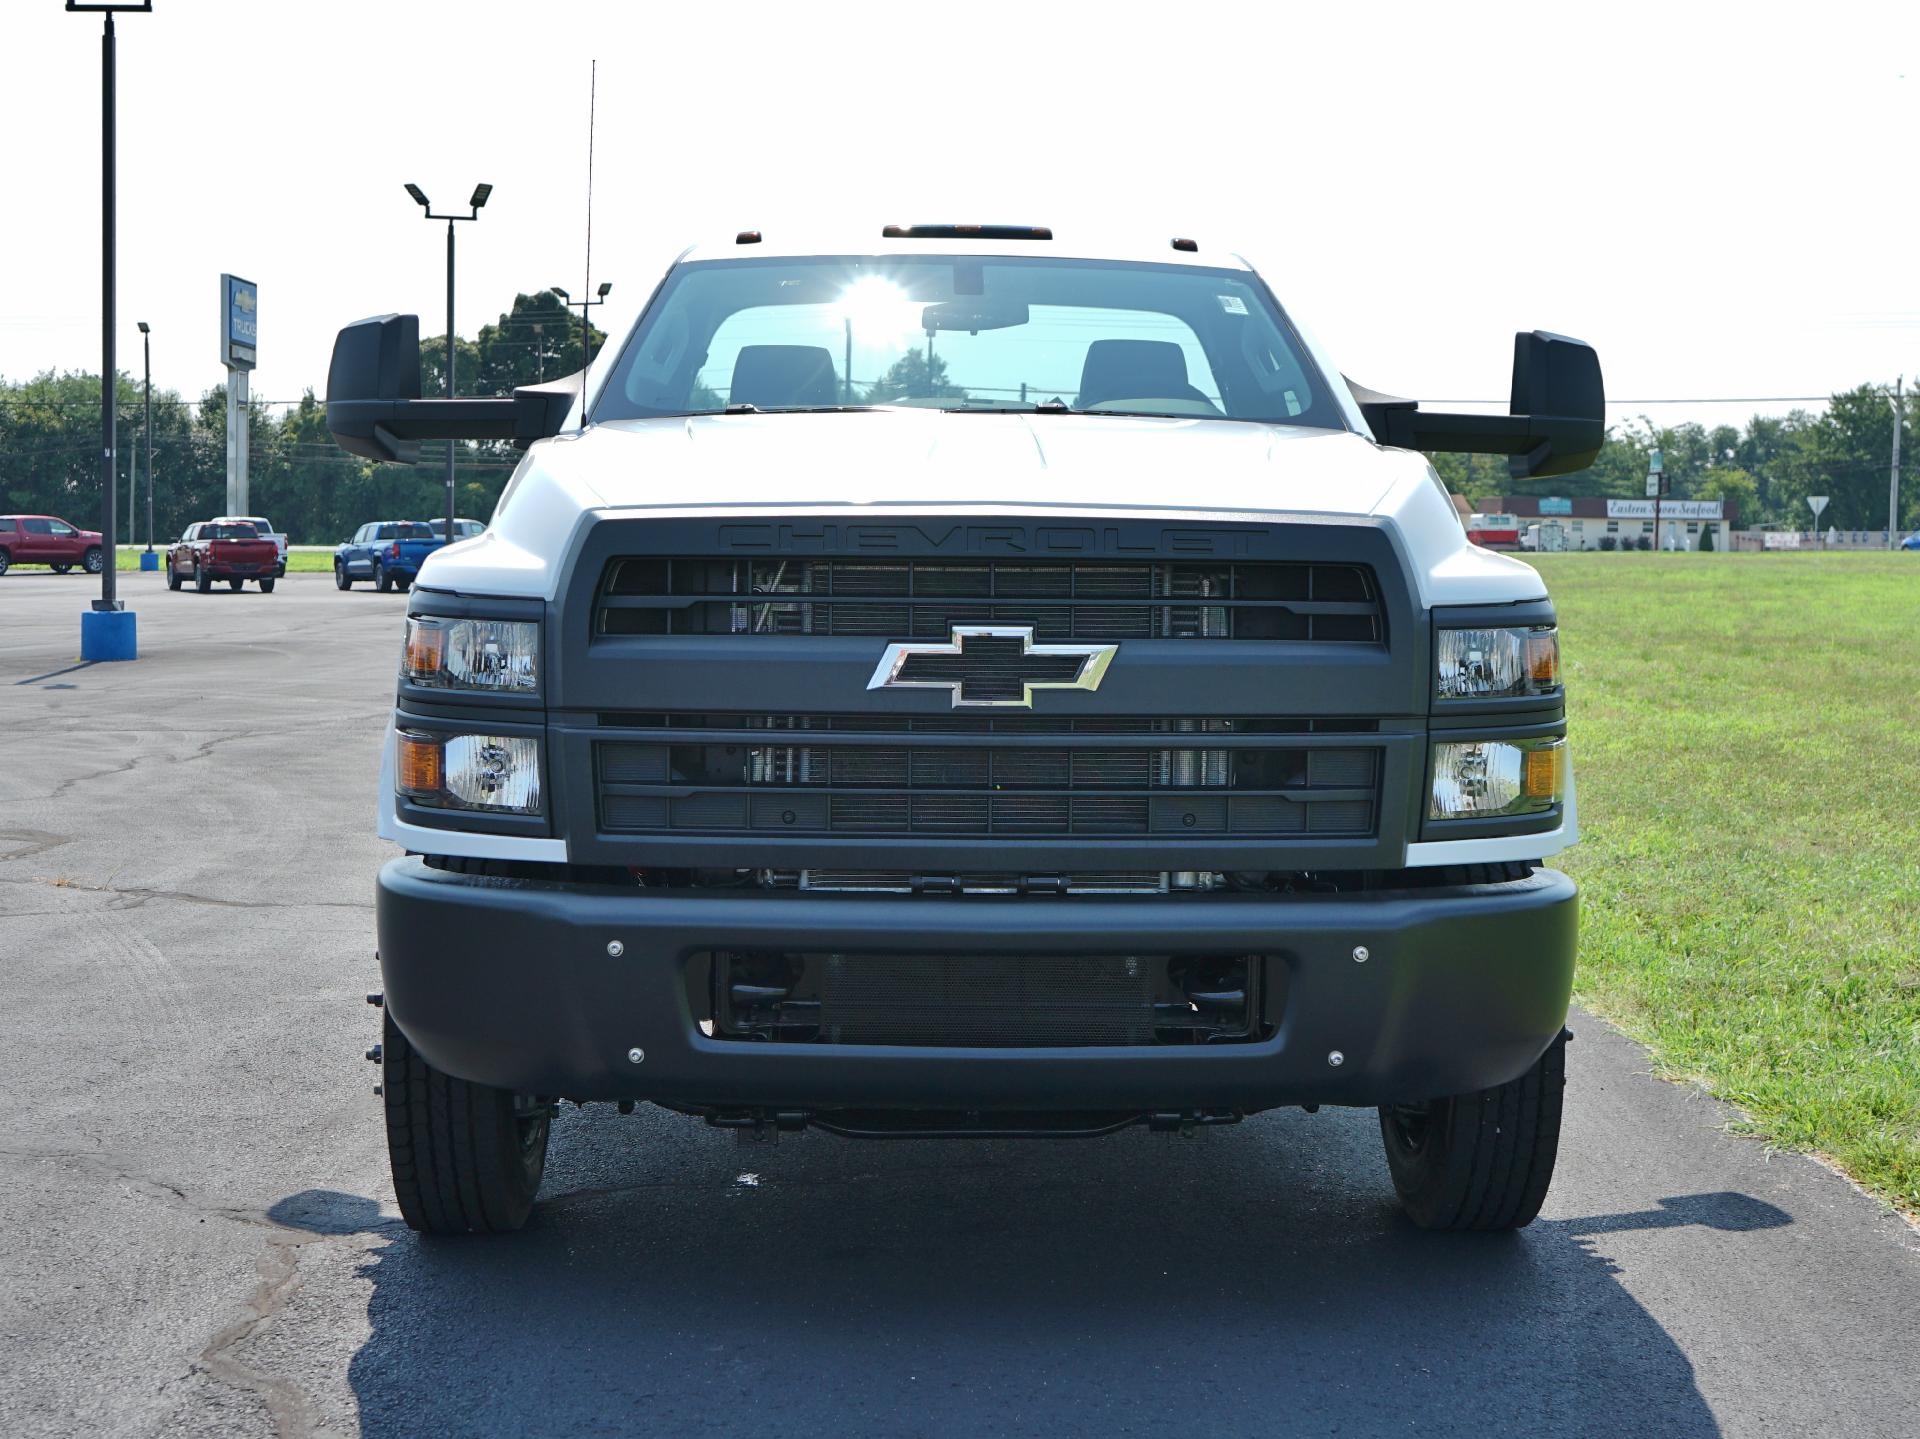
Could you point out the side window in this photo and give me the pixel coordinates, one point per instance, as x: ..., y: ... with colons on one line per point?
x: 6, y: 527
x: 63, y: 530
x: 38, y: 527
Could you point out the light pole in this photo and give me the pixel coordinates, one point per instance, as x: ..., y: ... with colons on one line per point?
x: 480, y: 194
x: 107, y: 630
x: 146, y: 366
x: 586, y: 330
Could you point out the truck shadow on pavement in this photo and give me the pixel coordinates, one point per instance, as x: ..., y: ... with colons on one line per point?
x: 1258, y: 1281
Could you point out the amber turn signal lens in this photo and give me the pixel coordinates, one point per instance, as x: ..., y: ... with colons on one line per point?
x: 1543, y: 659
x: 424, y: 645
x: 1543, y: 768
x: 422, y: 767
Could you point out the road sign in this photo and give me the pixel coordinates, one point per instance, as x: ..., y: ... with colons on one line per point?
x: 1816, y: 503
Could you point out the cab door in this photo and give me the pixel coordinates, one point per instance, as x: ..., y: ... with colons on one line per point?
x: 36, y: 543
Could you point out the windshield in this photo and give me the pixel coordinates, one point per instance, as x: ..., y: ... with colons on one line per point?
x: 964, y: 333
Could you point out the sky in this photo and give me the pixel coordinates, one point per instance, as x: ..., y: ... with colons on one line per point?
x: 1720, y: 198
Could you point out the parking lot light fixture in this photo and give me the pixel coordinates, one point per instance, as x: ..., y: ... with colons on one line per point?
x: 107, y: 631
x: 586, y: 331
x: 481, y: 193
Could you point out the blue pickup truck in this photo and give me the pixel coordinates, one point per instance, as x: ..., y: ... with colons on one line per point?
x: 388, y: 552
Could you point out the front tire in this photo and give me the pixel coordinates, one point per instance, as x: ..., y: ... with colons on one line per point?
x: 95, y: 560
x: 173, y: 575
x: 60, y: 569
x: 467, y: 1158
x: 1479, y: 1161
x: 235, y: 585
x: 341, y: 579
x: 266, y: 585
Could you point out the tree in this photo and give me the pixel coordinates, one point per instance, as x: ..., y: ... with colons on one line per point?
x: 911, y: 377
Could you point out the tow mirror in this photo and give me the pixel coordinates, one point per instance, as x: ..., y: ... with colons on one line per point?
x: 1558, y: 418
x: 374, y: 407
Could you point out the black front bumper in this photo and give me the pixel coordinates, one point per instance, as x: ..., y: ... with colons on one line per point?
x: 512, y: 983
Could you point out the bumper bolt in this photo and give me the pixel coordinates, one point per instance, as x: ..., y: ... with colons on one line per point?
x: 1336, y: 1059
x: 373, y: 1055
x: 636, y: 1055
x: 1361, y: 954
x: 616, y: 949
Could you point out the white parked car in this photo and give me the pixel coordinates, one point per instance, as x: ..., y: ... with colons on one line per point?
x: 959, y: 680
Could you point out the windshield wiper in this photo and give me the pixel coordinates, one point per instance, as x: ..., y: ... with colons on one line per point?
x: 746, y: 408
x: 1044, y: 407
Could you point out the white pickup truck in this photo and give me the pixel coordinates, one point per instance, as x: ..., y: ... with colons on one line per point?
x: 963, y: 681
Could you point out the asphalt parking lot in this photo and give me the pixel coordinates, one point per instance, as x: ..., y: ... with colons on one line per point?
x: 200, y: 1235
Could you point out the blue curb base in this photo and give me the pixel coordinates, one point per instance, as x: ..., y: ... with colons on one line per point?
x: 149, y: 559
x: 108, y: 635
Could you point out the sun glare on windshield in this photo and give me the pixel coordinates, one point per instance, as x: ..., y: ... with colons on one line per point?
x: 878, y: 310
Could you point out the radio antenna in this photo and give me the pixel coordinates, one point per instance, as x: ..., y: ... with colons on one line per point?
x: 586, y: 330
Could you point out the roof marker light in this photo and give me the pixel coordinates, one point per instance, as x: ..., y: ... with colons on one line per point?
x: 967, y: 232
x: 1187, y: 245
x: 747, y: 237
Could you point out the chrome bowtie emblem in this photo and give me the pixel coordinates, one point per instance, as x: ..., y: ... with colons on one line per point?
x: 992, y: 665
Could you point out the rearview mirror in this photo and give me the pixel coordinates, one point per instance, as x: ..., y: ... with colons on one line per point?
x: 973, y: 316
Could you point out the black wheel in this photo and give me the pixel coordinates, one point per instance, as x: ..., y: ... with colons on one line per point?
x: 467, y: 1158
x: 6, y: 561
x: 1483, y: 1160
x: 95, y: 560
x: 202, y: 581
x: 266, y: 585
x: 63, y: 569
x: 234, y: 585
x: 173, y: 575
x: 341, y: 579
x: 382, y: 581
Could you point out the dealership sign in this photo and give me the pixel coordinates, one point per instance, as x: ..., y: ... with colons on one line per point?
x: 239, y: 322
x: 1555, y: 505
x: 1669, y: 509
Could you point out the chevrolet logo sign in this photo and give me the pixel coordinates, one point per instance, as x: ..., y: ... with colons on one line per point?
x: 244, y: 300
x: 992, y: 665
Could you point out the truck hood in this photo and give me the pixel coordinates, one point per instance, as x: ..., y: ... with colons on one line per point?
x: 979, y: 462
x: 919, y: 457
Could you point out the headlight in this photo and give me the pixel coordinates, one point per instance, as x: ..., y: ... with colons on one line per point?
x: 1487, y: 779
x: 501, y: 656
x: 1497, y: 663
x: 496, y: 773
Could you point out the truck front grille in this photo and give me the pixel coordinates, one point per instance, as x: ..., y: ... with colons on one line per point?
x: 1100, y: 600
x: 876, y: 784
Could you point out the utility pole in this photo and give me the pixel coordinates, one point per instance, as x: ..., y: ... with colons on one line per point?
x: 146, y: 349
x: 1893, y: 484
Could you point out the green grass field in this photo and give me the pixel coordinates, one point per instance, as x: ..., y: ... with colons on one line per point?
x: 299, y: 562
x: 1745, y: 743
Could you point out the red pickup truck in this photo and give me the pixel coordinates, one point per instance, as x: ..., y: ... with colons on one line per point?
x: 45, y: 540
x: 222, y: 550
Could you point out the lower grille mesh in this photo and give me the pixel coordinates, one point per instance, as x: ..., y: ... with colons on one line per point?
x: 986, y: 1000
